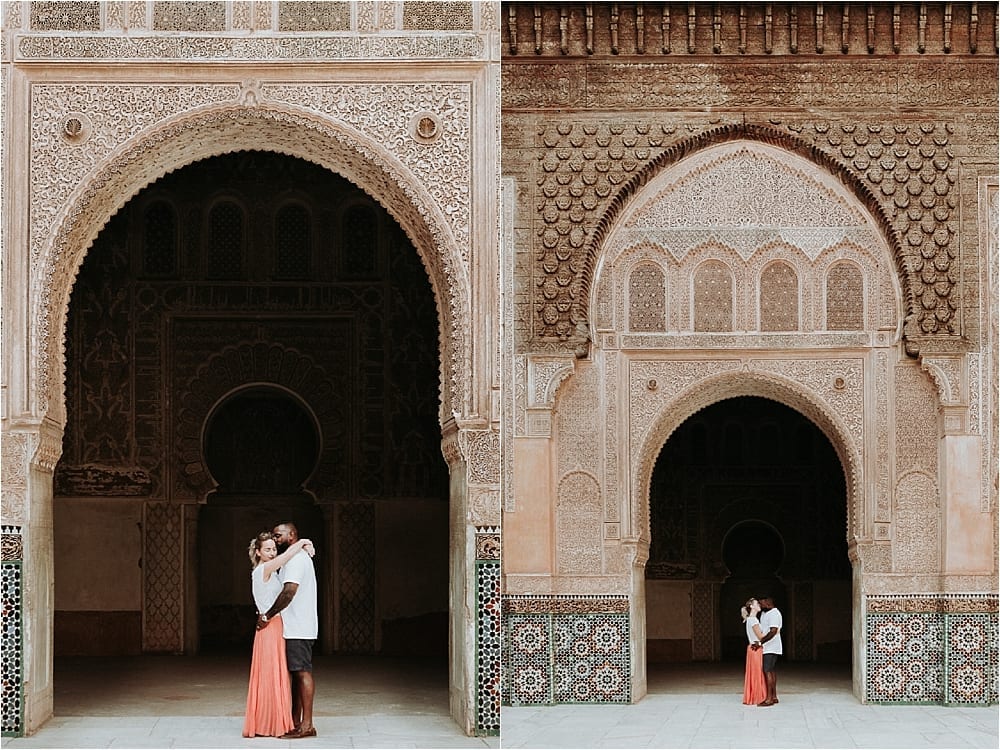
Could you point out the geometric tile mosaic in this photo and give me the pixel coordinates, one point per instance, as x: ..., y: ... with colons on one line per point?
x: 12, y: 634
x: 970, y: 658
x: 489, y: 635
x: 905, y: 657
x: 566, y: 650
x: 591, y: 658
x: 931, y: 648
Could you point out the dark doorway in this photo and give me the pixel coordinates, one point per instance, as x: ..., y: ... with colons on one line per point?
x: 747, y: 498
x: 252, y: 338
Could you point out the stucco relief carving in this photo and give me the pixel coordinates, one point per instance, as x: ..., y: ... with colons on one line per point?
x: 577, y: 420
x: 440, y: 160
x: 481, y: 449
x: 612, y: 501
x: 946, y: 372
x: 578, y: 523
x: 915, y: 417
x: 117, y: 175
x: 14, y: 475
x: 442, y: 46
x: 663, y: 393
x: 545, y: 374
x: 484, y: 508
x: 902, y: 173
x: 883, y: 502
x: 839, y: 382
x: 916, y: 512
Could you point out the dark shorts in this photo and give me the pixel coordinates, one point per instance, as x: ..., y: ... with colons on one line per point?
x: 770, y: 661
x: 299, y: 654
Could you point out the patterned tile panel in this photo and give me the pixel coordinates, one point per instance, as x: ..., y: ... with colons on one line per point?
x: 591, y: 658
x: 489, y: 637
x: 528, y: 659
x: 932, y: 648
x: 971, y: 658
x: 12, y: 633
x: 566, y: 650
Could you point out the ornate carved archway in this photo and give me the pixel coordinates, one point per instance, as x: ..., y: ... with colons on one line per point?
x: 223, y: 129
x: 767, y: 385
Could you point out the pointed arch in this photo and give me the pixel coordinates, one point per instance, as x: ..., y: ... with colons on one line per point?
x: 732, y: 384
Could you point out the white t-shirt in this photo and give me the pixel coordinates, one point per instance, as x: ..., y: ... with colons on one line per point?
x: 768, y: 620
x: 751, y: 621
x: 300, y: 617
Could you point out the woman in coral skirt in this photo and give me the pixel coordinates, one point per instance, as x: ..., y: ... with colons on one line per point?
x: 269, y: 699
x: 754, y: 689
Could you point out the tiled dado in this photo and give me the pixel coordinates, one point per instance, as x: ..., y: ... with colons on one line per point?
x: 11, y: 634
x: 932, y: 648
x: 488, y: 632
x: 566, y: 649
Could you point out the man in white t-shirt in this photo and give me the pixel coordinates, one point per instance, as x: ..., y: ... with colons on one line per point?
x: 297, y: 605
x: 771, y: 623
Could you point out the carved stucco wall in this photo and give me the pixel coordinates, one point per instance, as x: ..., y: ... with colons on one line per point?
x: 69, y: 206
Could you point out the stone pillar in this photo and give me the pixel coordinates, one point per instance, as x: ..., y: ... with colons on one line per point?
x: 639, y: 554
x: 461, y: 594
x: 30, y: 452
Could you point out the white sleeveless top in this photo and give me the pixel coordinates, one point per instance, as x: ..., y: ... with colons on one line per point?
x: 264, y: 592
x: 751, y: 621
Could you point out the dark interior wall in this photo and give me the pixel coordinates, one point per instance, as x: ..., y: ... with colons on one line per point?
x: 749, y: 495
x: 229, y: 274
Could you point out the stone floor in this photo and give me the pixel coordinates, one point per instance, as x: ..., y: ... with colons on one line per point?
x: 197, y: 702
x: 701, y: 706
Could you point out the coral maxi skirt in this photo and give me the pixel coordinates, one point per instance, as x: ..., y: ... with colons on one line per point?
x: 269, y: 699
x: 754, y: 689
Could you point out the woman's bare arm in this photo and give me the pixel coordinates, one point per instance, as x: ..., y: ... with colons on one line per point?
x: 293, y: 549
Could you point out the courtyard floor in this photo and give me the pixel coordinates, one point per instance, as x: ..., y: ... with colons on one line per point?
x: 197, y: 702
x: 700, y: 706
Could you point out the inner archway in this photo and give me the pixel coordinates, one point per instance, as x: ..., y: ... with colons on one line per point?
x: 252, y: 338
x: 747, y: 497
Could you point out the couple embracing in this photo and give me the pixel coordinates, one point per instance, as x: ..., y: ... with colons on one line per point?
x: 280, y: 697
x: 760, y: 686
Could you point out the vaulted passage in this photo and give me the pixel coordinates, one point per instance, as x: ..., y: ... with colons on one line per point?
x: 747, y: 498
x: 251, y: 339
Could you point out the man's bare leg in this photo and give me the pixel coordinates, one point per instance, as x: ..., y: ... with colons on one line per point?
x: 306, y: 690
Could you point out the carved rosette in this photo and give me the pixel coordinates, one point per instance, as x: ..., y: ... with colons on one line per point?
x: 67, y: 212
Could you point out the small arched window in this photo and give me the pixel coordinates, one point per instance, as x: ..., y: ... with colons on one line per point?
x: 713, y: 297
x: 225, y: 241
x: 845, y: 306
x: 779, y: 298
x: 646, y: 298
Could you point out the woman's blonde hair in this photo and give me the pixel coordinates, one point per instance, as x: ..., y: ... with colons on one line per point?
x: 745, y: 610
x: 255, y: 544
